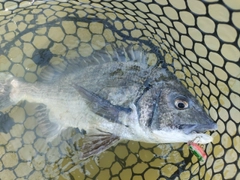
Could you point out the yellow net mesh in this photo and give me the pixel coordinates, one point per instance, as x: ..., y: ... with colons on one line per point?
x: 198, y: 40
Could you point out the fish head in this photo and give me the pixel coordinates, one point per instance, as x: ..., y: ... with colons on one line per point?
x: 174, y: 114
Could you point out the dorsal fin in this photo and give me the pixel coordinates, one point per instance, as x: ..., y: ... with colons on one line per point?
x: 59, y: 66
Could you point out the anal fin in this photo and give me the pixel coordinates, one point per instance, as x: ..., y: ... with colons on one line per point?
x: 49, y: 129
x: 95, y: 144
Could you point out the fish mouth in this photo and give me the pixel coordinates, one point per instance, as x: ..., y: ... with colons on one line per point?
x: 197, y: 128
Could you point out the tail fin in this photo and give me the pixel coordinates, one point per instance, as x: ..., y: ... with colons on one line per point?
x: 5, y: 89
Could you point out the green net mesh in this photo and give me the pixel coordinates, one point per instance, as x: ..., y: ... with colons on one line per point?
x: 199, y: 41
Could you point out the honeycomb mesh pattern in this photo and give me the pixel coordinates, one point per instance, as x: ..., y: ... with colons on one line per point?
x: 199, y: 41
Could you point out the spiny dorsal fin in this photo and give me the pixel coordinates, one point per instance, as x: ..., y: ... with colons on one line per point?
x: 58, y: 66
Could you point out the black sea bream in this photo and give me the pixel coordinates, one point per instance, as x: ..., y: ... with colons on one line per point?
x: 122, y: 98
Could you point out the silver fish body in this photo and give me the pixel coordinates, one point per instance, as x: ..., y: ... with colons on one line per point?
x: 117, y: 100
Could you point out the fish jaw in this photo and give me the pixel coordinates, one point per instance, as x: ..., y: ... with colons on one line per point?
x: 138, y: 132
x: 189, y: 128
x: 178, y: 136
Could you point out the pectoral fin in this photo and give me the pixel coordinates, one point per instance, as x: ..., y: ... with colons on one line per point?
x: 95, y: 144
x: 102, y: 107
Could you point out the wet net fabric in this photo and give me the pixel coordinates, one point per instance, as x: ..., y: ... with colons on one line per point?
x: 198, y: 41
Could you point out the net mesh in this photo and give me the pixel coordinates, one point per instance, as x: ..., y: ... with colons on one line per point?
x: 199, y: 41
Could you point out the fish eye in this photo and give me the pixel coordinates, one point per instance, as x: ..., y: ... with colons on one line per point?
x: 181, y: 104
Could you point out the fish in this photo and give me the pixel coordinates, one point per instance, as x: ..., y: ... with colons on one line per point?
x: 111, y: 97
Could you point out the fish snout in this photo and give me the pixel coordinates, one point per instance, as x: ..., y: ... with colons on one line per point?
x: 190, y: 128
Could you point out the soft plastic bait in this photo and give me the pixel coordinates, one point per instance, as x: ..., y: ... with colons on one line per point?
x: 198, y: 151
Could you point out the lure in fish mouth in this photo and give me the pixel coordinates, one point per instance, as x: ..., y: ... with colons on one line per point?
x: 114, y: 100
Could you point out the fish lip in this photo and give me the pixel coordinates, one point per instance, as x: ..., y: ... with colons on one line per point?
x: 197, y: 128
